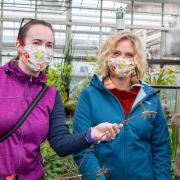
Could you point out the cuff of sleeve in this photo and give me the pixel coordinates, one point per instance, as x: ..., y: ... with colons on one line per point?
x: 88, y: 137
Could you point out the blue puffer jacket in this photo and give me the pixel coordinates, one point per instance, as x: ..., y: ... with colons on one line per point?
x: 141, y: 151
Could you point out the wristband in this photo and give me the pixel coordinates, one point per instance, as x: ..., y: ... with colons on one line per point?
x: 88, y: 137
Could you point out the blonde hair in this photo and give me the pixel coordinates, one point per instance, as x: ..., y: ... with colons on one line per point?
x: 107, y: 48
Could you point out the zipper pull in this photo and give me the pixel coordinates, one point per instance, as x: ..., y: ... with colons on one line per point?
x: 30, y: 80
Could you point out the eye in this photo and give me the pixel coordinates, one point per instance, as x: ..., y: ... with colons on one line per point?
x: 50, y: 46
x: 116, y: 54
x: 36, y: 43
x: 129, y: 55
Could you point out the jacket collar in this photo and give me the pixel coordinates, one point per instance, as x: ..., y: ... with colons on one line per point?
x: 13, y: 68
x: 144, y: 92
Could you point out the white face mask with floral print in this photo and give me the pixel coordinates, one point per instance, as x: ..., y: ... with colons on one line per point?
x: 121, y: 68
x: 37, y: 58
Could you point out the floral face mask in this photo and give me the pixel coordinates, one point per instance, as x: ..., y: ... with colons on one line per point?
x: 37, y: 57
x: 121, y: 67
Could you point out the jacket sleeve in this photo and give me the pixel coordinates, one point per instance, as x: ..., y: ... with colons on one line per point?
x: 161, y: 147
x: 87, y: 162
x: 59, y: 137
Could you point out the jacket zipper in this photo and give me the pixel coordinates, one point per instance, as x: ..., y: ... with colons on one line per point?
x: 21, y: 129
x: 125, y: 147
x: 20, y: 152
x: 126, y: 134
x: 121, y: 109
x: 28, y: 88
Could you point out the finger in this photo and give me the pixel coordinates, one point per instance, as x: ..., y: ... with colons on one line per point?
x: 116, y: 128
x: 111, y: 131
x: 120, y: 126
x: 108, y: 135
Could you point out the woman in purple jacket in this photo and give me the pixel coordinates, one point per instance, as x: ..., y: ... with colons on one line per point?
x: 21, y: 80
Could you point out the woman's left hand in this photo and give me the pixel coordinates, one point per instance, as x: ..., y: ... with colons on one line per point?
x: 105, y: 131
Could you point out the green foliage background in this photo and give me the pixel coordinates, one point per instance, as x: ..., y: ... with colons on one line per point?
x: 57, y: 167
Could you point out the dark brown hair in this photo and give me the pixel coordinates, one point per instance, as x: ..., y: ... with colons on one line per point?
x: 24, y: 29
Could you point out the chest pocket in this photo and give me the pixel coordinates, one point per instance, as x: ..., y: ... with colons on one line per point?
x: 141, y: 128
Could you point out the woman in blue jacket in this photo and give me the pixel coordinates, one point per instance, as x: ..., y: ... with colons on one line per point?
x: 141, y: 151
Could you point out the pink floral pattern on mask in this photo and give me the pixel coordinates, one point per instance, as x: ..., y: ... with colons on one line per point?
x: 37, y: 58
x: 121, y: 67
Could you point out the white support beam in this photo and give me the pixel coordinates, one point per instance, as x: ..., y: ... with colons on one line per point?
x: 68, y: 25
x: 159, y: 1
x: 78, y: 23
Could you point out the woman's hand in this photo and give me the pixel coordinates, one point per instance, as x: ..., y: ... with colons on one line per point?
x: 105, y: 131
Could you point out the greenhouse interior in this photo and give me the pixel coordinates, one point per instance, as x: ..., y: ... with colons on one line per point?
x: 80, y: 27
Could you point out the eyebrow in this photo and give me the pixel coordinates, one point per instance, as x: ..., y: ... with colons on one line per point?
x: 128, y: 53
x: 42, y: 40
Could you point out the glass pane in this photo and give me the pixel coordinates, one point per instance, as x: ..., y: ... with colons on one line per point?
x: 151, y: 42
x: 15, y: 8
x: 169, y: 99
x: 171, y: 15
x: 147, y: 14
x: 85, y: 40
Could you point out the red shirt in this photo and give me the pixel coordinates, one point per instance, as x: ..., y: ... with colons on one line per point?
x: 126, y: 98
